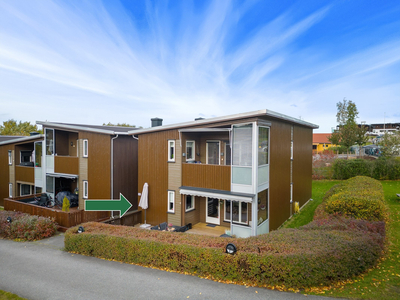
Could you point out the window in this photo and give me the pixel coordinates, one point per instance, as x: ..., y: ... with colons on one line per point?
x: 25, y: 189
x: 171, y: 201
x: 239, y: 212
x: 50, y: 184
x: 263, y: 135
x: 262, y: 202
x: 10, y: 189
x: 26, y: 156
x: 171, y: 150
x: 38, y: 154
x: 10, y: 157
x: 85, y: 148
x: 49, y: 141
x: 212, y: 153
x: 190, y: 154
x: 85, y: 190
x: 189, y: 200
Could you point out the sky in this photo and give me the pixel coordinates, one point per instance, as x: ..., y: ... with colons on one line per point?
x: 94, y: 62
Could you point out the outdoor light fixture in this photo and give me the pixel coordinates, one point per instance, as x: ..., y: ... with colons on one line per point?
x: 9, y: 220
x: 230, y: 249
x: 81, y: 229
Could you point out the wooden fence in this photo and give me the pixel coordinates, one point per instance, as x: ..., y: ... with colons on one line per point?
x: 64, y: 219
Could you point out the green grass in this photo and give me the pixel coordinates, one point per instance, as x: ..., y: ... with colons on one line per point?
x: 9, y: 296
x: 383, y: 282
x: 306, y: 214
x: 1, y: 208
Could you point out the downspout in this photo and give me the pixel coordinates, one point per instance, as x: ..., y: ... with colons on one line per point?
x: 112, y: 171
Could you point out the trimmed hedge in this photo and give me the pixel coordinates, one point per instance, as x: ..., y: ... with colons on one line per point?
x: 381, y: 169
x: 359, y: 197
x: 26, y: 227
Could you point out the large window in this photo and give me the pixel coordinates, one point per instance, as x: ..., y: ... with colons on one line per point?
x: 262, y: 206
x: 171, y: 201
x: 26, y: 156
x: 263, y: 137
x: 49, y: 184
x: 238, y: 211
x: 85, y: 148
x: 242, y: 155
x: 26, y: 189
x: 190, y: 153
x: 38, y: 154
x: 189, y: 202
x: 49, y: 141
x: 171, y: 150
x: 213, y: 152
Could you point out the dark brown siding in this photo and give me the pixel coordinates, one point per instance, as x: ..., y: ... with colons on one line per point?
x: 25, y: 174
x: 206, y: 176
x: 153, y: 169
x: 99, y: 164
x: 279, y: 191
x: 61, y: 140
x: 126, y: 169
x: 302, y: 164
x: 4, y: 172
x: 66, y: 164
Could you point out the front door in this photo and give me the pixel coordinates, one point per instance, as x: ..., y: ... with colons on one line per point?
x: 212, y: 211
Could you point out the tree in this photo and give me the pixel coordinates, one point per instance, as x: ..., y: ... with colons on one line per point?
x: 121, y: 125
x: 390, y: 144
x: 11, y: 127
x: 348, y: 132
x: 361, y: 137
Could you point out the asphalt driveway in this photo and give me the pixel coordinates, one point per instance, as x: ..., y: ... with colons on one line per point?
x: 41, y: 270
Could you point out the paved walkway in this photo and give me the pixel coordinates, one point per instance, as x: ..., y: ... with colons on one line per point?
x: 41, y: 270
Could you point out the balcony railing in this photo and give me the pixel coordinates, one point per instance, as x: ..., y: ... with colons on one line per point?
x: 66, y: 164
x: 206, y: 176
x: 25, y: 174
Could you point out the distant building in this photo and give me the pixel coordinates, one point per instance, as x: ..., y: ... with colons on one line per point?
x: 321, y: 142
x: 381, y: 128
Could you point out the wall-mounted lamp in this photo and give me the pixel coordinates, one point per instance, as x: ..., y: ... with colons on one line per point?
x: 72, y: 143
x: 9, y: 220
x: 230, y: 249
x: 81, y: 229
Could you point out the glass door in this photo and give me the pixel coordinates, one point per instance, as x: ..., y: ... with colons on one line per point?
x: 212, y: 211
x: 213, y: 153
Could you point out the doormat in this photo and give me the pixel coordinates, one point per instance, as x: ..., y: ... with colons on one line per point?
x: 211, y: 225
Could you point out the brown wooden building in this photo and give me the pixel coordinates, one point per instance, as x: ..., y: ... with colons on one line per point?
x: 244, y: 172
x: 17, y: 166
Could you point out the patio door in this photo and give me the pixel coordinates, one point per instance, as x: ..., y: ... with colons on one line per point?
x: 212, y: 211
x: 212, y: 152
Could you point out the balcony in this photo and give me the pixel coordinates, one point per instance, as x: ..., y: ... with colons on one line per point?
x: 206, y: 176
x: 66, y: 164
x: 25, y: 174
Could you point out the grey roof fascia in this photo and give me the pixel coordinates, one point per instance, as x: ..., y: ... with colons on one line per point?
x: 22, y: 139
x: 263, y: 112
x: 80, y: 128
x: 205, y: 130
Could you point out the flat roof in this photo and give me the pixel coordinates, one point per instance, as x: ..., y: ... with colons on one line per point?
x: 4, y: 140
x: 258, y: 113
x: 112, y: 130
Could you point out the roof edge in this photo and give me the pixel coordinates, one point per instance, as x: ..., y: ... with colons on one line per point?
x: 81, y: 128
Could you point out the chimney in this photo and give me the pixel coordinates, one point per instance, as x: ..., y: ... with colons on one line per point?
x: 198, y: 119
x: 156, y: 122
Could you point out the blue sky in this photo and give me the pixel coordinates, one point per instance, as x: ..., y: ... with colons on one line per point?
x: 93, y: 62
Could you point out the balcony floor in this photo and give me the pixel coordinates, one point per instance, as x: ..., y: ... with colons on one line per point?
x: 202, y: 228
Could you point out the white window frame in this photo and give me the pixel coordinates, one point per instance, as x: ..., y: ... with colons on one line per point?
x: 171, y: 144
x: 219, y: 151
x: 10, y: 161
x: 171, y: 199
x: 193, y: 203
x: 240, y: 212
x: 10, y: 190
x: 85, y: 189
x: 193, y: 158
x: 85, y: 148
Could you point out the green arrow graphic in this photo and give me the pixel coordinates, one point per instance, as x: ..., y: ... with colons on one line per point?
x: 122, y: 205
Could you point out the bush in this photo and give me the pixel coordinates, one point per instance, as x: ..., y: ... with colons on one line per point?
x: 26, y: 227
x: 290, y: 258
x: 381, y: 169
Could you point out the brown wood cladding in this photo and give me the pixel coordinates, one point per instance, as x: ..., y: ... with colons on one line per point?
x: 4, y: 172
x: 153, y: 169
x: 25, y: 174
x: 206, y: 176
x: 99, y: 164
x: 279, y: 182
x: 126, y: 169
x: 66, y: 164
x: 302, y: 164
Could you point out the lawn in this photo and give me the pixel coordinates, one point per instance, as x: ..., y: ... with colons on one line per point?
x: 9, y: 296
x: 383, y: 282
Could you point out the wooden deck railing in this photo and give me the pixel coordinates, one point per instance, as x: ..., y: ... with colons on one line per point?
x: 64, y: 219
x: 66, y: 164
x: 206, y: 176
x: 25, y: 174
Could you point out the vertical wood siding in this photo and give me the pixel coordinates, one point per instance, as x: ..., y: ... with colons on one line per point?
x: 4, y: 172
x: 174, y: 182
x: 66, y: 164
x: 206, y: 176
x: 25, y: 174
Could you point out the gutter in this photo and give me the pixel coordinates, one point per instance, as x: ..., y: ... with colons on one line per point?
x: 112, y: 171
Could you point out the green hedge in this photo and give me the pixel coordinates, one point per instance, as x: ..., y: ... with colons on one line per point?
x: 359, y: 197
x: 381, y: 169
x: 26, y: 227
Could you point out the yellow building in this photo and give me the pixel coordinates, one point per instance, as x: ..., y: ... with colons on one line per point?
x: 321, y: 142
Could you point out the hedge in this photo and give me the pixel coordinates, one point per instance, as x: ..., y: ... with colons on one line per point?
x: 26, y: 227
x: 381, y: 169
x: 332, y: 248
x: 359, y: 197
